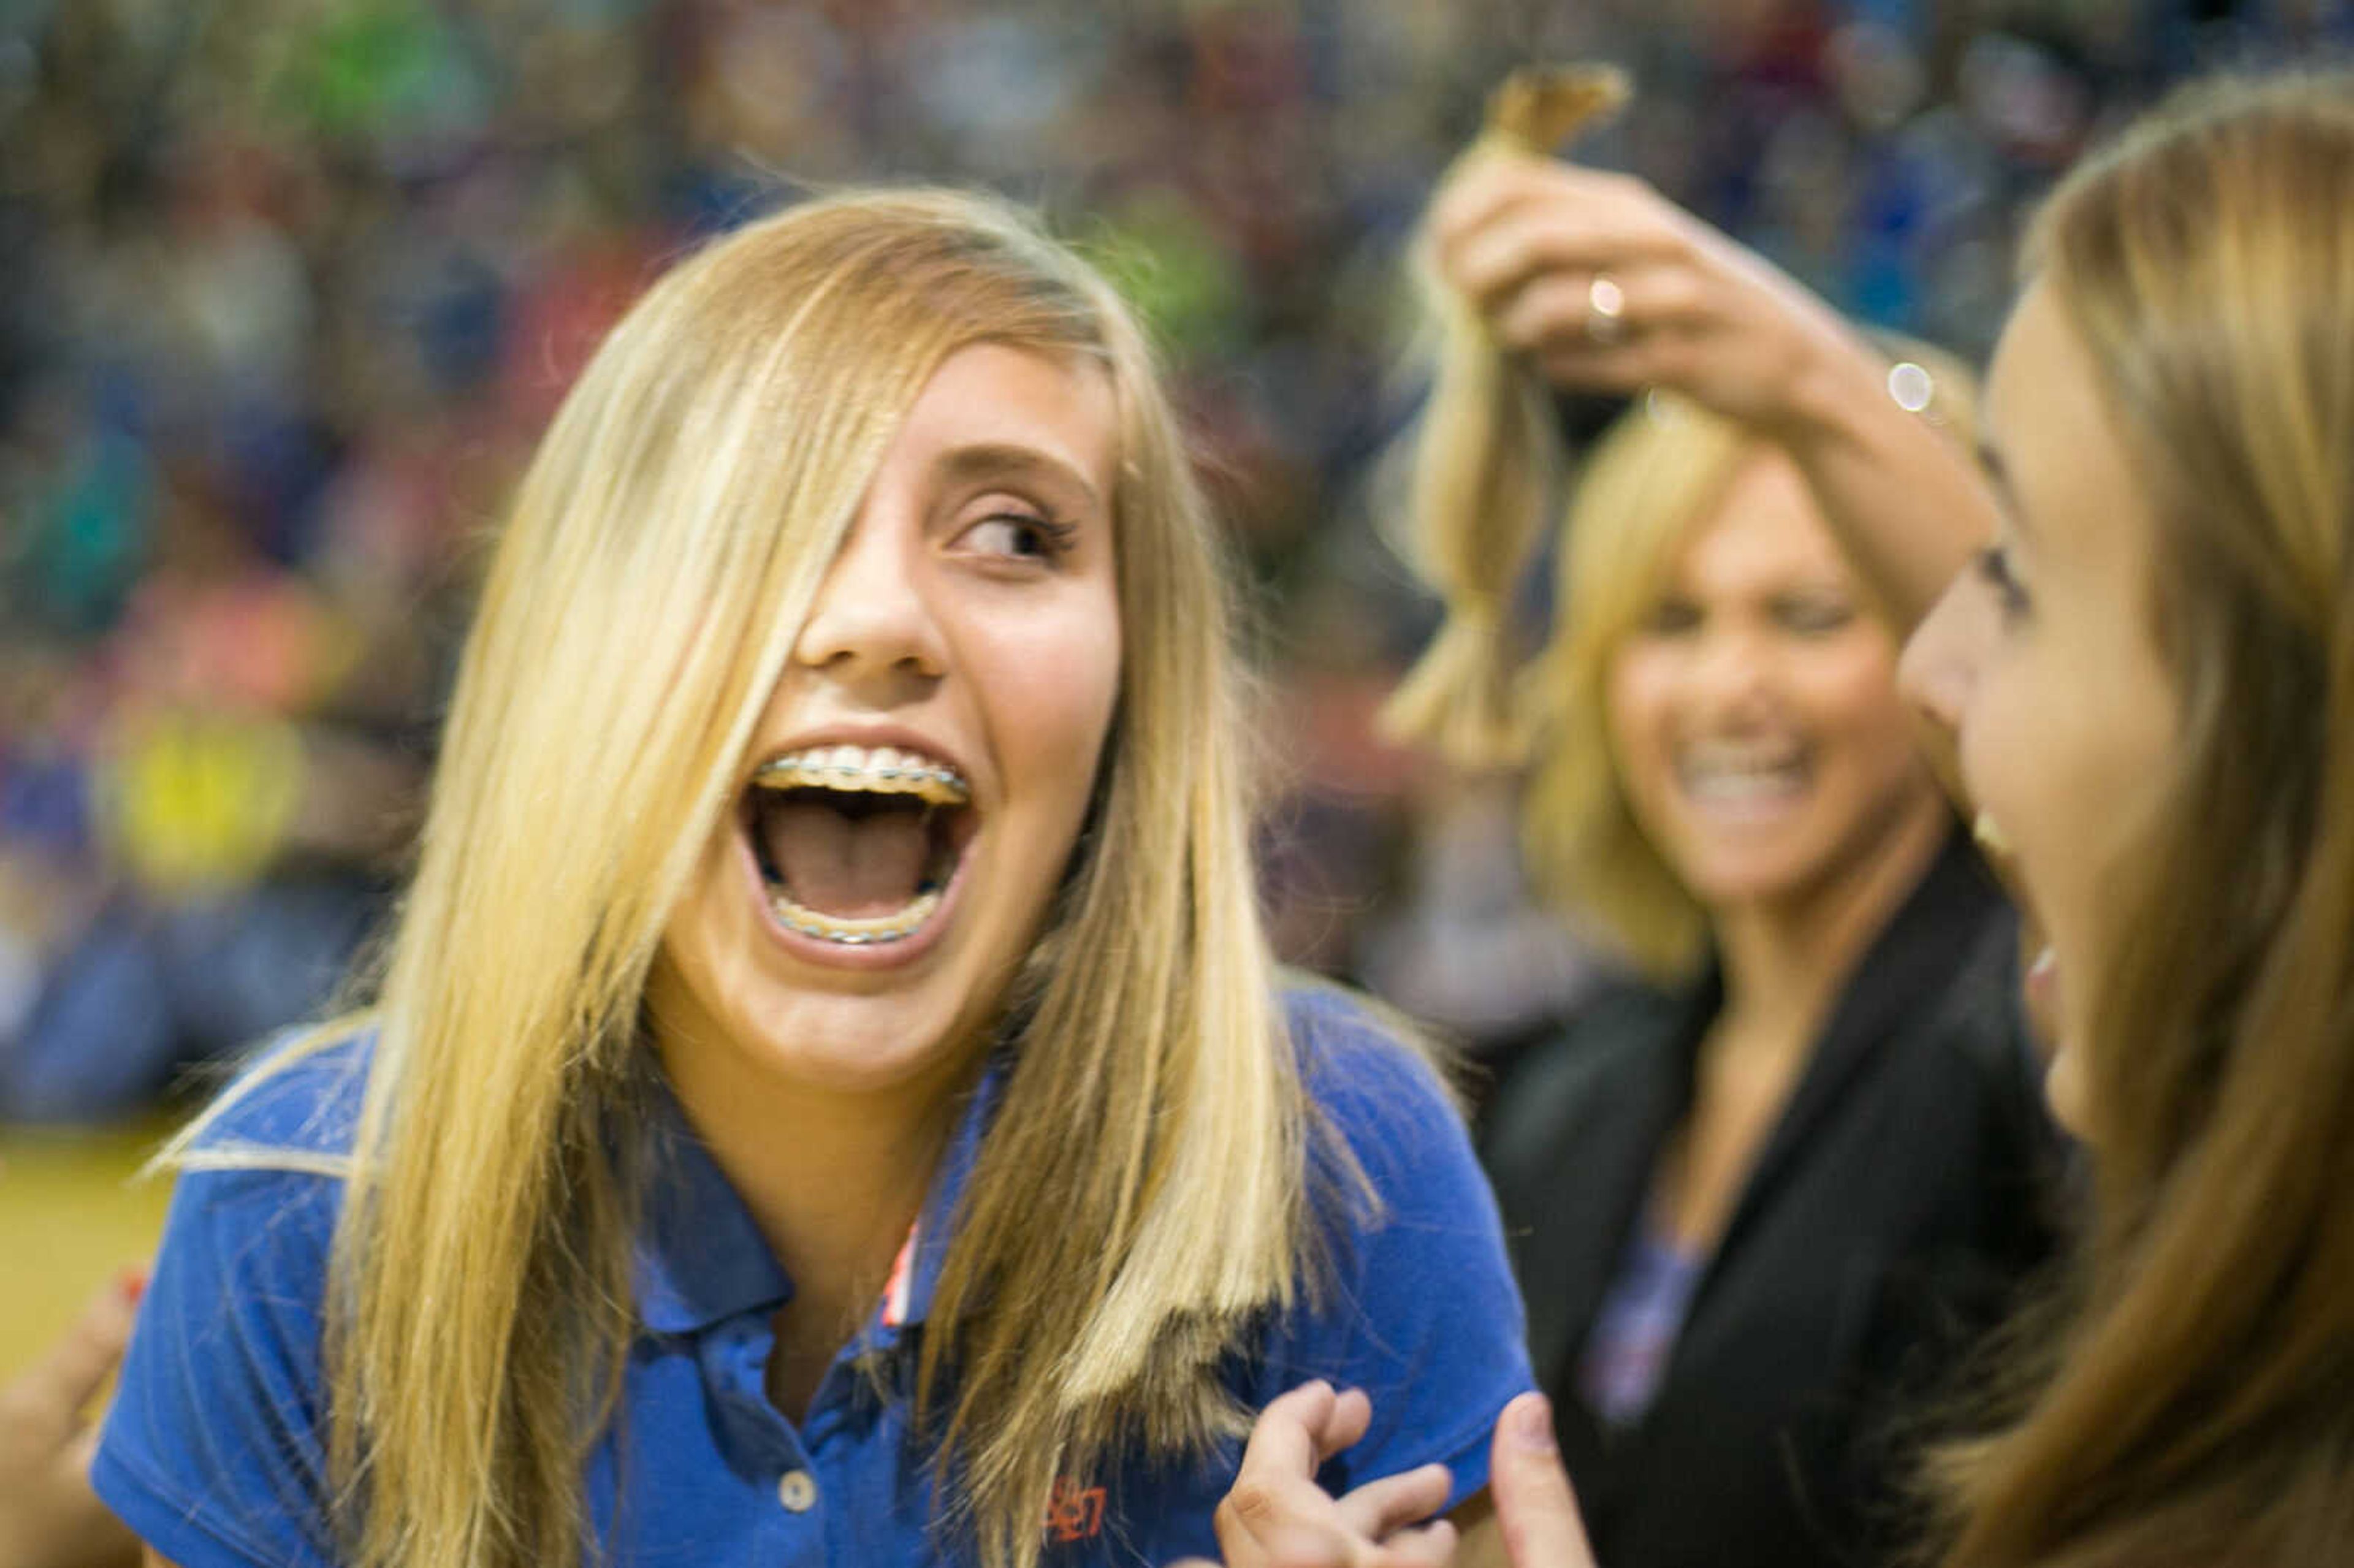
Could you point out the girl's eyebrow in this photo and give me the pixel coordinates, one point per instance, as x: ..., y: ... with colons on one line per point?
x: 1999, y: 476
x: 993, y: 458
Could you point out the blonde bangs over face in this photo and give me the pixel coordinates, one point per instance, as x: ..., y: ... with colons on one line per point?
x: 661, y: 554
x: 1649, y: 482
x: 2204, y: 1411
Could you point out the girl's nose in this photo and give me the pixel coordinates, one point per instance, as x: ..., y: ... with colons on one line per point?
x: 1939, y: 667
x: 872, y: 615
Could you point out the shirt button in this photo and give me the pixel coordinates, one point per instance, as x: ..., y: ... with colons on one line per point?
x: 797, y: 1492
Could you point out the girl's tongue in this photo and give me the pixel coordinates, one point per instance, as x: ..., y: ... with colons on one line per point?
x: 852, y: 857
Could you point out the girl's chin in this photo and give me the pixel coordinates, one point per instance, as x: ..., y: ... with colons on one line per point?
x: 1750, y: 874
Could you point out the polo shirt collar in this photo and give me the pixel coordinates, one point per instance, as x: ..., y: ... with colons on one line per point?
x: 701, y: 1259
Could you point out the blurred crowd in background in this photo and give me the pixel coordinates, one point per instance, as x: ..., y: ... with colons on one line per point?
x: 293, y: 285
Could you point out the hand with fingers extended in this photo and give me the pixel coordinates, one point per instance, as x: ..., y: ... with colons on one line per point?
x: 48, y: 1515
x: 1608, y: 286
x: 1277, y: 1517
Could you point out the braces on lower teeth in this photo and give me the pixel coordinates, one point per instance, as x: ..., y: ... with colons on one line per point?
x: 856, y: 933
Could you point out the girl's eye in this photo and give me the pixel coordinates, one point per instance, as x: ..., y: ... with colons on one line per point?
x: 1994, y: 569
x: 1020, y: 535
x: 1671, y: 618
x: 1813, y: 617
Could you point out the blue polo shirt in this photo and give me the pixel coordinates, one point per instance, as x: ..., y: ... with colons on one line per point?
x: 214, y: 1449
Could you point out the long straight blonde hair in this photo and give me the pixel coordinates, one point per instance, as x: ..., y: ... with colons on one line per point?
x: 661, y: 554
x: 2199, y: 1410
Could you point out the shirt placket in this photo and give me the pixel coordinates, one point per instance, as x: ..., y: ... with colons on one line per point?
x: 778, y: 1458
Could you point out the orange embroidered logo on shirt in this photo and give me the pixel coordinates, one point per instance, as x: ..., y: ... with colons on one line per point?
x: 1075, y: 1512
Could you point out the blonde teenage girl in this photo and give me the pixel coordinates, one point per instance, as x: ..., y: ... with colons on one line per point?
x: 829, y: 1097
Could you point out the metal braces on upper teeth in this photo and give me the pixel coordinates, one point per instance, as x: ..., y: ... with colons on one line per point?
x: 878, y: 770
x: 883, y: 770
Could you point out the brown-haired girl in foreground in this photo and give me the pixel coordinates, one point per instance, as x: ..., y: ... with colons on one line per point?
x: 2149, y: 678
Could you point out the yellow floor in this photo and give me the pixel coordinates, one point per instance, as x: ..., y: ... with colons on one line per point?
x: 72, y: 1217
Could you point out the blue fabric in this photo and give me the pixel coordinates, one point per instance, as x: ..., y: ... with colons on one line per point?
x: 212, y: 1451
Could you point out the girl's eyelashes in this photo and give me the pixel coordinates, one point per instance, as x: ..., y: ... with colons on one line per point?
x: 1994, y: 567
x: 1021, y: 535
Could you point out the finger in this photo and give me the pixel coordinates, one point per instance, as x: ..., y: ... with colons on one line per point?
x: 69, y: 1377
x: 1581, y: 222
x: 1327, y: 1421
x: 1429, y: 1546
x: 1555, y: 312
x: 1275, y: 1513
x: 1275, y: 1487
x: 1550, y: 311
x: 82, y: 1451
x: 1256, y: 1529
x: 1502, y: 182
x: 1480, y: 188
x: 1654, y: 358
x: 1620, y: 367
x: 1534, y: 1503
x: 1498, y: 261
x: 1381, y: 1508
x: 1287, y: 1440
x: 1351, y: 1416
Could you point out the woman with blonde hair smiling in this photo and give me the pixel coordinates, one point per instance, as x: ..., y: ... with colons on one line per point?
x: 2148, y: 680
x: 828, y: 1097
x: 1767, y: 1193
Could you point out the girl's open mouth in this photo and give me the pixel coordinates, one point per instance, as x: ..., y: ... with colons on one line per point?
x: 856, y: 845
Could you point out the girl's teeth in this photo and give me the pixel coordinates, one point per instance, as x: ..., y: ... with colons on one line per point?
x: 856, y: 933
x: 1743, y: 782
x: 884, y: 768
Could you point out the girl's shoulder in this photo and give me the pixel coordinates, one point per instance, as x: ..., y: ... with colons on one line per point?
x: 1391, y: 1124
x: 213, y: 1450
x: 1358, y: 1058
x: 295, y: 1106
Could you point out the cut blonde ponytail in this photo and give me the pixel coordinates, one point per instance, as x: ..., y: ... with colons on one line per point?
x: 1484, y: 462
